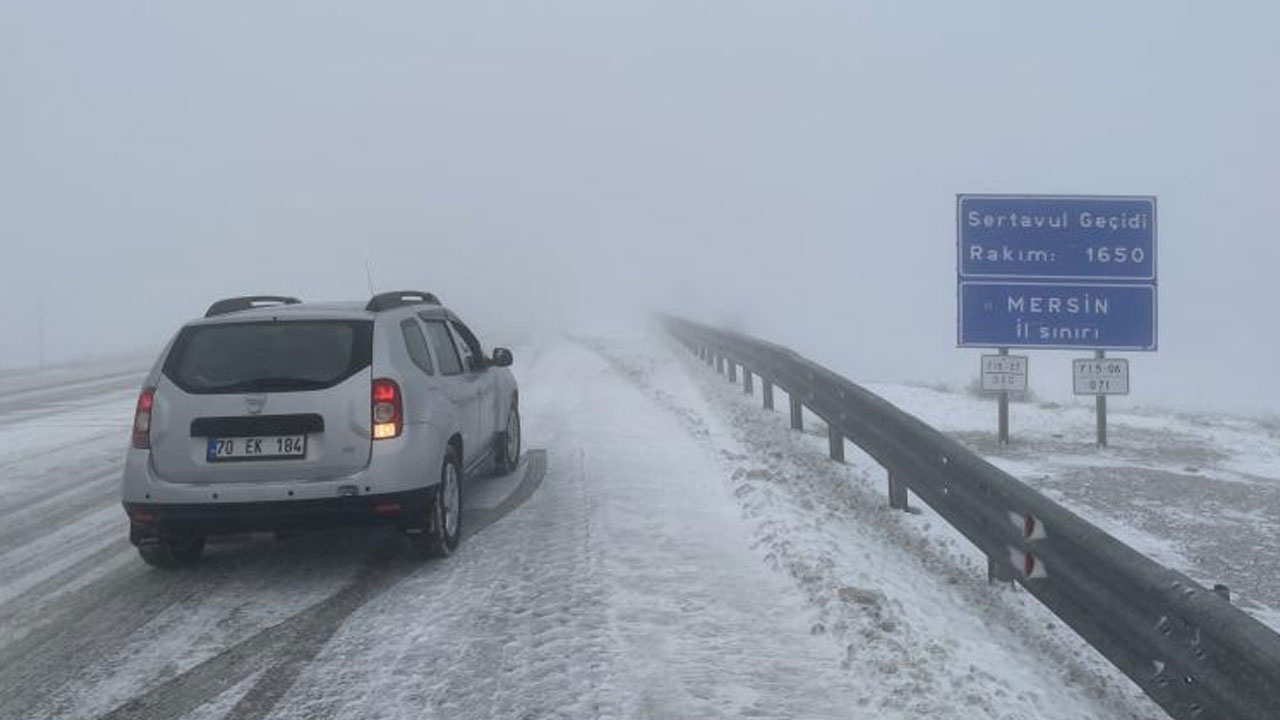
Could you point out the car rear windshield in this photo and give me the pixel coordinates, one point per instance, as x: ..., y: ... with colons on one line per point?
x: 269, y: 356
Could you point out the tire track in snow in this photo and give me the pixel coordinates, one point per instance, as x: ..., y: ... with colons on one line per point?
x: 52, y: 391
x: 95, y: 622
x: 37, y: 607
x: 282, y: 651
x: 544, y: 618
x: 38, y: 516
x: 515, y: 626
x: 279, y: 650
x: 41, y: 405
x: 36, y: 455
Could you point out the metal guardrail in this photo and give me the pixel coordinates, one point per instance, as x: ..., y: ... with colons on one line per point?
x: 1186, y: 646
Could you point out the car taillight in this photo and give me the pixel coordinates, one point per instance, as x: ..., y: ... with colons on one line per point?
x: 142, y: 419
x: 388, y: 410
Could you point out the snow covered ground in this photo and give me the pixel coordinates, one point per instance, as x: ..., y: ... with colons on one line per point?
x: 1197, y: 492
x: 666, y: 551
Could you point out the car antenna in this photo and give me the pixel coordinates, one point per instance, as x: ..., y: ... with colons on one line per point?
x: 368, y: 276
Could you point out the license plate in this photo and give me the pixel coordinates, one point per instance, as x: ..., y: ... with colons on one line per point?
x: 267, y: 447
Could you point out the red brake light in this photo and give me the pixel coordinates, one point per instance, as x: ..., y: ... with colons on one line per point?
x: 387, y: 409
x: 142, y: 419
x: 385, y: 391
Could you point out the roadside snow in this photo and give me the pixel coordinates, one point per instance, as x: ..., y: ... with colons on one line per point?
x: 902, y: 595
x: 1200, y: 493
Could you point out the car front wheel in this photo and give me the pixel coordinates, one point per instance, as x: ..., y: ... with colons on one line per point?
x: 509, y: 443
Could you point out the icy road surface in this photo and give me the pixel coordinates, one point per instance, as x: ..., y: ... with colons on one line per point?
x: 664, y: 551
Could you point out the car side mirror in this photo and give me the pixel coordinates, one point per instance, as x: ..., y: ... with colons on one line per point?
x: 502, y: 357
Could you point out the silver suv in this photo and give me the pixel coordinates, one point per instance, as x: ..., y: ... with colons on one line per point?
x: 270, y: 414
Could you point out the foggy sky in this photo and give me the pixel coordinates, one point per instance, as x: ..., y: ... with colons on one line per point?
x: 789, y: 168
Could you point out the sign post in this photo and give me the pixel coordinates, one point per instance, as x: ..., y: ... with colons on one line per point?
x: 1100, y: 376
x: 1004, y: 410
x: 1002, y: 374
x: 1100, y: 408
x: 1057, y: 272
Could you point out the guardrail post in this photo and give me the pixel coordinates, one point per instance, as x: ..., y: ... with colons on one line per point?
x: 797, y: 413
x: 748, y: 384
x: 835, y: 443
x: 897, y: 492
x: 999, y: 571
x: 768, y: 392
x: 733, y: 371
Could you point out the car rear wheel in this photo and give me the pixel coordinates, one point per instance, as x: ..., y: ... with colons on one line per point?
x: 441, y: 530
x: 509, y: 443
x: 172, y: 552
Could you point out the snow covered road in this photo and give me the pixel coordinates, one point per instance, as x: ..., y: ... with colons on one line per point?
x: 665, y: 551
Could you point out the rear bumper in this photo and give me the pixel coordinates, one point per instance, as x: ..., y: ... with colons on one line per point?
x: 405, y: 509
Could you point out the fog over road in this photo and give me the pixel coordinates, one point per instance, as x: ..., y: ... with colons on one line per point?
x: 558, y: 172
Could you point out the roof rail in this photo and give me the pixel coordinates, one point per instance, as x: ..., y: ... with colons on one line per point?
x: 400, y: 298
x: 248, y: 302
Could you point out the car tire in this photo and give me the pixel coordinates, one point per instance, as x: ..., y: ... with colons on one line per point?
x: 508, y: 455
x: 172, y: 552
x: 442, y: 525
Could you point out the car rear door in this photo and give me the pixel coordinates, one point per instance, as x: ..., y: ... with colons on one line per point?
x: 420, y: 384
x: 484, y: 377
x: 264, y: 401
x: 460, y: 386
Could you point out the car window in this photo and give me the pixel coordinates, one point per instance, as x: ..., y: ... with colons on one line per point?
x: 465, y: 348
x: 268, y: 356
x: 442, y: 343
x: 416, y: 343
x: 463, y: 334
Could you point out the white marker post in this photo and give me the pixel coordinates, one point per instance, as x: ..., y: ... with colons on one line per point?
x: 1100, y: 407
x: 1004, y: 409
x: 1100, y: 377
x: 1004, y: 373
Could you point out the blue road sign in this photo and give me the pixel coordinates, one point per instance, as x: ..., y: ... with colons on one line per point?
x: 1064, y: 238
x: 1091, y: 316
x: 1051, y: 271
